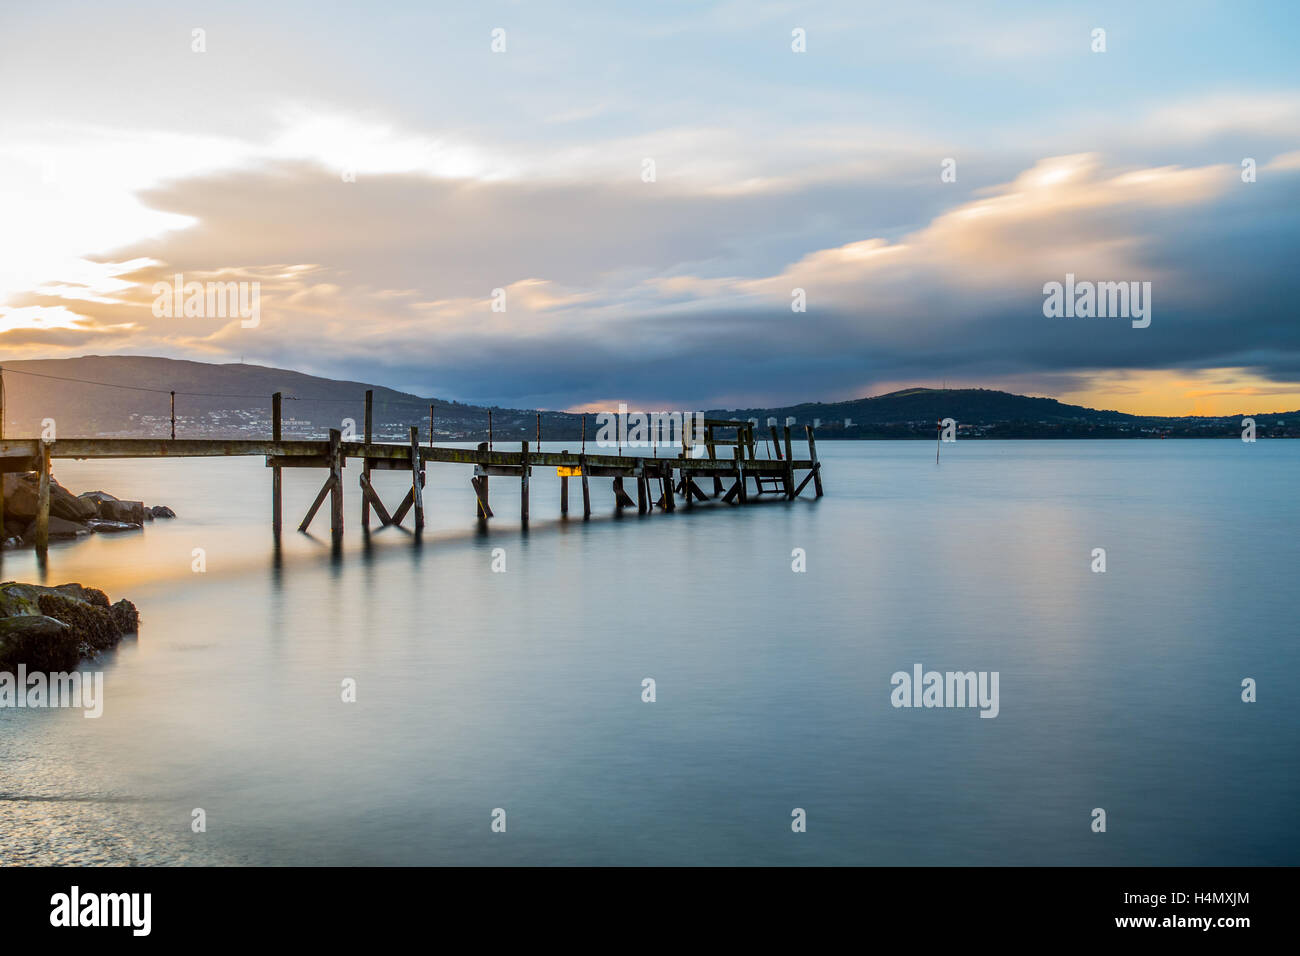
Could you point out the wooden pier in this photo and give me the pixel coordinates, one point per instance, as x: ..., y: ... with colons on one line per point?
x: 660, y: 481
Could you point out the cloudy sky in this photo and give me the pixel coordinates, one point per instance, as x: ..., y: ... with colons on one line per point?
x: 379, y: 170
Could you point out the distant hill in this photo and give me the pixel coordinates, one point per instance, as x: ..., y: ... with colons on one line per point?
x: 127, y: 396
x: 986, y: 413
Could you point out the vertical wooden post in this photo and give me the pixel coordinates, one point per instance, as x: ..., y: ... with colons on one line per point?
x: 523, y: 483
x: 812, y: 454
x: 666, y: 480
x: 641, y: 488
x: 43, y: 500
x: 336, y: 483
x: 742, y: 495
x: 586, y: 490
x: 789, y: 466
x: 564, y: 491
x: 482, y: 486
x: 173, y: 415
x: 776, y: 442
x: 713, y: 453
x: 539, y: 431
x: 417, y: 471
x: 368, y: 427
x: 277, y: 505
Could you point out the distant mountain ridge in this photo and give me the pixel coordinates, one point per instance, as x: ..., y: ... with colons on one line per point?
x: 128, y: 396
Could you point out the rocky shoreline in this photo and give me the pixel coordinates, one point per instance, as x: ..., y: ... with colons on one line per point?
x: 71, y: 516
x: 53, y: 628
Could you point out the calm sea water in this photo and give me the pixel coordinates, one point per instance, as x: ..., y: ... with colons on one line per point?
x: 522, y: 690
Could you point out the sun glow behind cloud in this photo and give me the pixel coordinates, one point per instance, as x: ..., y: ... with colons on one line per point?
x: 774, y: 172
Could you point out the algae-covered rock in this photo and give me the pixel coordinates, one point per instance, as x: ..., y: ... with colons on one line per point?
x: 52, y: 628
x: 42, y: 643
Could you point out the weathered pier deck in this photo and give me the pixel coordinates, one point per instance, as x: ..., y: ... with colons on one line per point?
x: 675, y: 477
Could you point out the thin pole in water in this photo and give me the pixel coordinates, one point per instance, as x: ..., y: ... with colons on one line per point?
x: 938, y: 432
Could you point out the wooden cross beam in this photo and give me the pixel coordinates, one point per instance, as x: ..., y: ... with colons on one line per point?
x: 325, y: 489
x: 481, y: 493
x: 372, y: 499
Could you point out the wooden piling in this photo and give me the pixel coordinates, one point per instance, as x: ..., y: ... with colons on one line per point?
x: 789, y: 466
x: 586, y: 490
x: 417, y: 472
x: 641, y: 493
x: 173, y: 416
x: 336, y: 483
x: 564, y: 490
x: 776, y: 444
x: 523, y: 483
x: 480, y: 484
x: 743, y: 494
x: 43, y: 500
x: 277, y: 504
x: 368, y: 426
x: 816, y: 466
x: 712, y: 450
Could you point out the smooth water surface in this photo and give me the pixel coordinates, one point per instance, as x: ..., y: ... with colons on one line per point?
x: 522, y: 690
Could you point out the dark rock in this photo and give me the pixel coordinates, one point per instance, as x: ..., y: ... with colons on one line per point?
x: 20, y: 500
x: 96, y: 628
x: 162, y: 511
x: 126, y: 616
x: 60, y: 529
x: 52, y: 628
x: 131, y: 512
x: 90, y: 595
x: 100, y: 526
x: 42, y: 643
x: 97, y: 497
x: 20, y: 497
